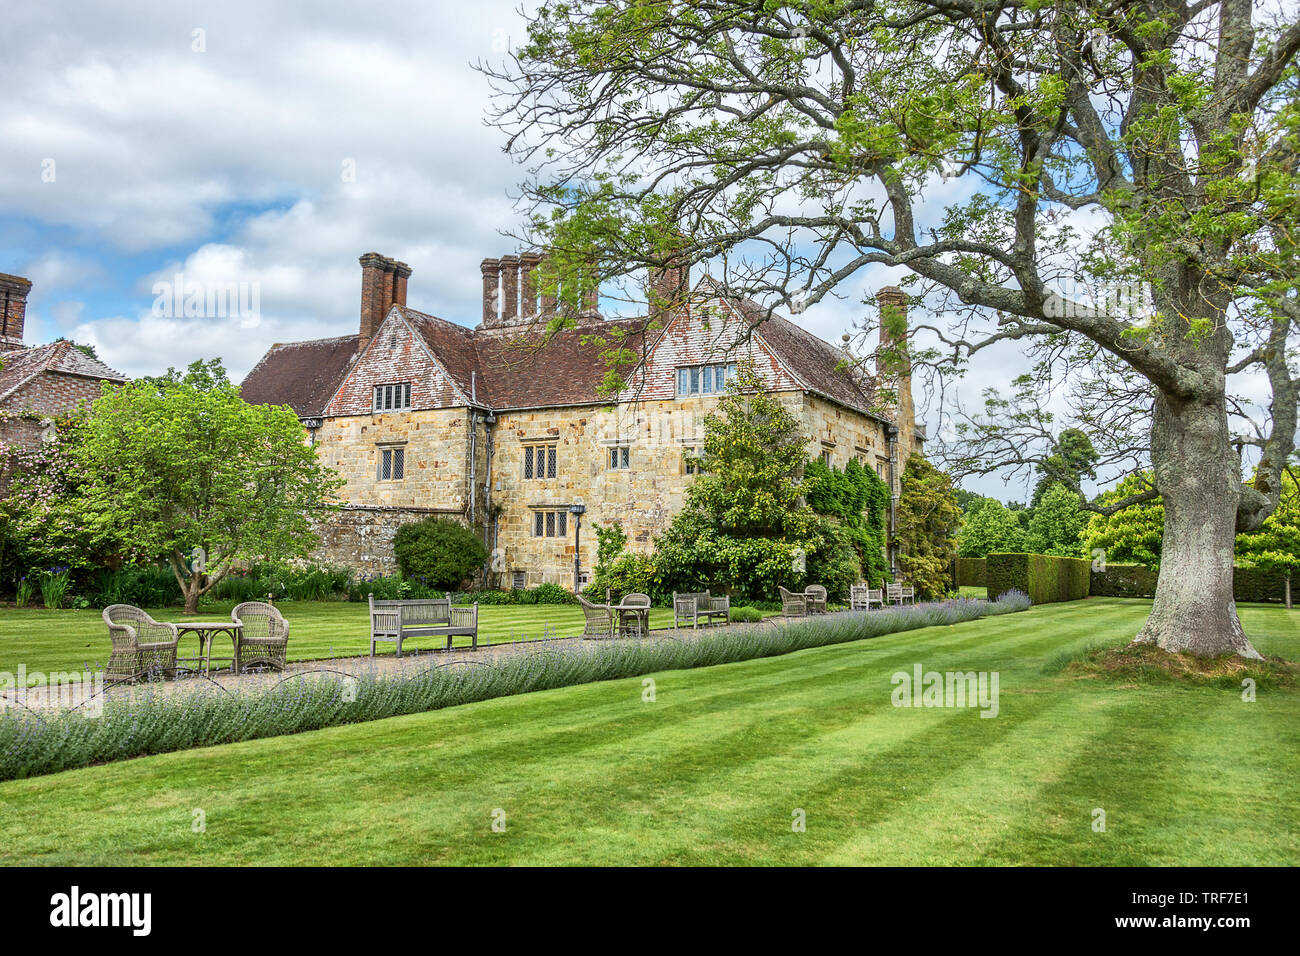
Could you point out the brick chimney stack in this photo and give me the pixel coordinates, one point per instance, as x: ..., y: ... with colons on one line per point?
x: 528, y: 263
x: 509, y: 289
x: 401, y: 273
x: 668, y: 289
x: 893, y: 305
x: 491, y: 269
x: 383, y: 283
x: 13, y: 309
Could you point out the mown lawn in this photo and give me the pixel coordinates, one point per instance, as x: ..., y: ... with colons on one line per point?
x: 49, y: 641
x: 712, y: 770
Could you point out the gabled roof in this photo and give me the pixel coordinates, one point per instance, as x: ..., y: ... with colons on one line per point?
x: 302, y: 375
x: 21, y: 366
x: 524, y: 368
x: 820, y: 366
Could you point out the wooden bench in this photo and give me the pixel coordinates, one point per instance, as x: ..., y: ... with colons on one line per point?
x: 698, y: 606
x: 395, y: 621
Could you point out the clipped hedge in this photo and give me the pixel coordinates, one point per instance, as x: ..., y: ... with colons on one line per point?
x: 1249, y: 585
x: 1046, y: 578
x: 970, y: 572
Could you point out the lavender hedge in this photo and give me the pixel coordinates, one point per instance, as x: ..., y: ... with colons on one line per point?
x: 32, y: 744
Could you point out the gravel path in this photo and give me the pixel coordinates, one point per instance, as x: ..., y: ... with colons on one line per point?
x: 44, y: 698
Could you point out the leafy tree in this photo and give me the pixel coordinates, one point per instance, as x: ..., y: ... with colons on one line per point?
x: 926, y: 526
x: 744, y: 523
x: 1129, y: 536
x: 444, y: 553
x: 793, y: 145
x: 1072, y: 460
x: 989, y: 527
x: 1057, y: 524
x: 1276, y: 545
x: 180, y: 467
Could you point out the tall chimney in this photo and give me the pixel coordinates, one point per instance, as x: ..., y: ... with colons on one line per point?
x: 898, y: 369
x: 667, y: 289
x: 509, y: 289
x: 401, y: 273
x: 373, y: 279
x: 528, y: 262
x: 13, y: 302
x: 491, y: 269
x: 591, y: 299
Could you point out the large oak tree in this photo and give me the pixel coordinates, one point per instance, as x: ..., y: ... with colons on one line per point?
x: 1011, y: 155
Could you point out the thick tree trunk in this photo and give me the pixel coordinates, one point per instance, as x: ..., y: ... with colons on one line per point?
x: 1198, y: 477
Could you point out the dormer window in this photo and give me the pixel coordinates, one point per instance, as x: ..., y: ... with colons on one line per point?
x: 393, y: 398
x: 704, y: 379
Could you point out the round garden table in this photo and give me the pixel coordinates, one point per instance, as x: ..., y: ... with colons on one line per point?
x: 207, y: 632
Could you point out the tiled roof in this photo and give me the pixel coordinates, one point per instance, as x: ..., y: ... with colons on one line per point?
x: 20, y: 366
x: 815, y: 362
x: 521, y: 368
x: 302, y: 375
x: 510, y: 369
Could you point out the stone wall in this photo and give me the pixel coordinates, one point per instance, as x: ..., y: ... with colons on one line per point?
x: 361, y: 537
x: 435, y: 444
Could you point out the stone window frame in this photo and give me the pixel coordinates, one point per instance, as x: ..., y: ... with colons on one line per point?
x: 828, y: 454
x: 518, y: 580
x: 390, y: 397
x: 619, y: 458
x: 391, y: 458
x: 691, y: 459
x: 691, y: 380
x: 550, y: 523
x: 549, y: 464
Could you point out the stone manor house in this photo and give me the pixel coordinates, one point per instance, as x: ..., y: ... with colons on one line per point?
x: 493, y: 428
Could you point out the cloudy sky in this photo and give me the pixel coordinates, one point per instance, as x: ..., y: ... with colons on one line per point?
x: 269, y: 144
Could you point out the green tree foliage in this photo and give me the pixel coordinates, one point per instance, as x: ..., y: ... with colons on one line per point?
x: 744, y: 525
x: 1276, y: 545
x: 1073, y: 459
x: 1130, y: 536
x: 619, y: 572
x: 989, y: 526
x: 181, y: 468
x: 1057, y: 524
x: 44, y: 510
x: 444, y: 553
x: 926, y: 523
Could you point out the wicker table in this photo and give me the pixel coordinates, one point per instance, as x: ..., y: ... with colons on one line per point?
x: 207, y: 632
x: 640, y: 611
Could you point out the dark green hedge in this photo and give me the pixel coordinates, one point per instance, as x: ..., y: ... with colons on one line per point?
x: 970, y: 572
x: 1133, y: 580
x: 1046, y: 578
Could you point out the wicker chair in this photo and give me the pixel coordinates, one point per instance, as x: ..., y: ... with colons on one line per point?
x: 141, y: 645
x: 633, y: 623
x: 793, y: 605
x: 264, y: 639
x: 600, y: 619
x: 816, y: 595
